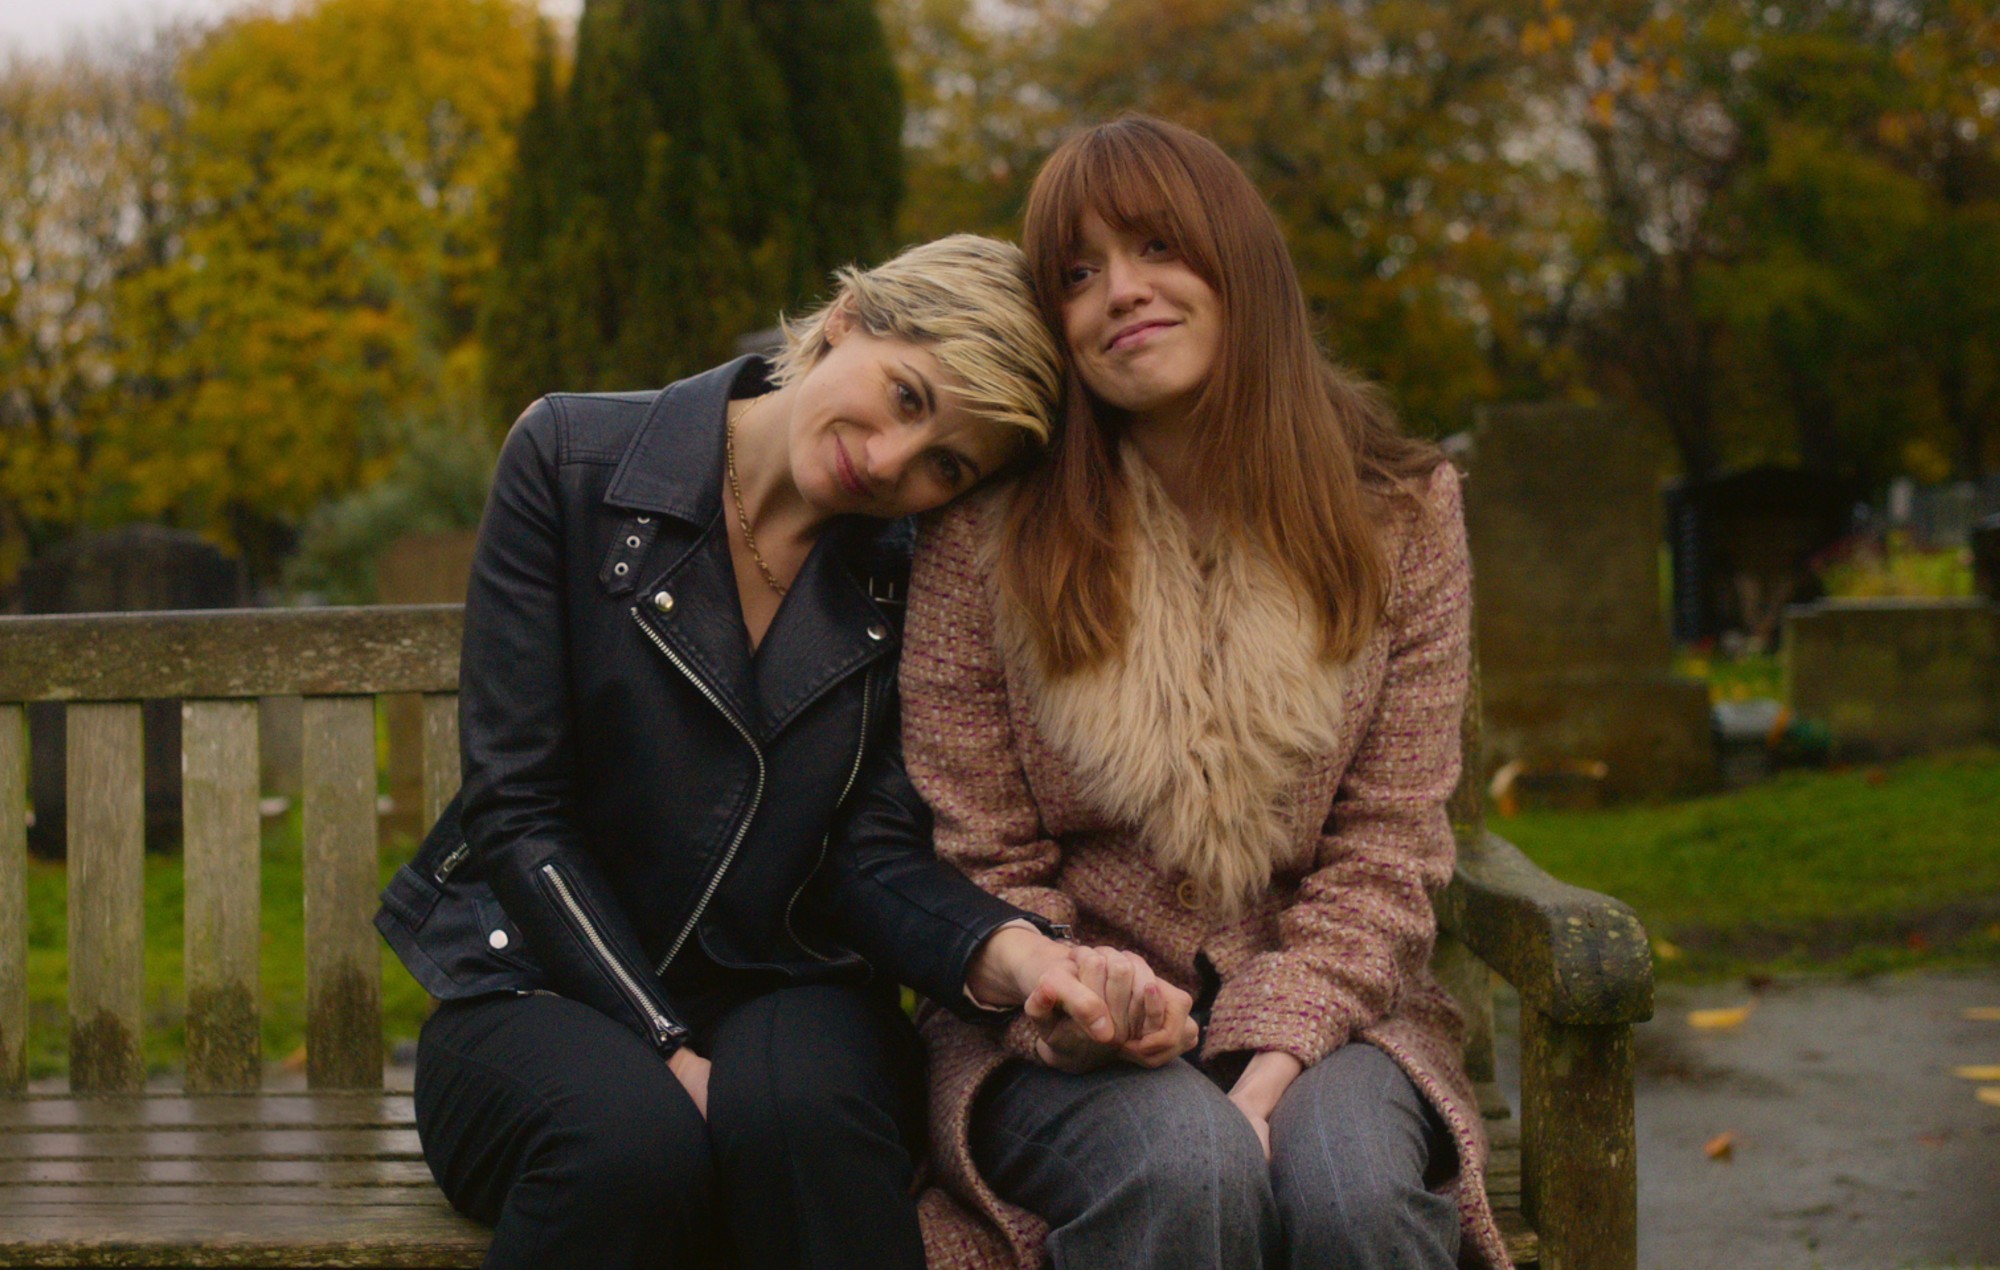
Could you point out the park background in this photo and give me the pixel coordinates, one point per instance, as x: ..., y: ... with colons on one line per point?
x: 274, y: 280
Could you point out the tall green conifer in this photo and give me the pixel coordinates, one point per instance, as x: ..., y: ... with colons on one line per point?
x: 847, y: 120
x: 708, y: 163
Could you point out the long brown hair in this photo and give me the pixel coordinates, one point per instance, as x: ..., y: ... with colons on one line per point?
x: 1299, y: 457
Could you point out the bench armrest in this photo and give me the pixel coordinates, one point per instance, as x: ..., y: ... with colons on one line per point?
x: 1576, y: 956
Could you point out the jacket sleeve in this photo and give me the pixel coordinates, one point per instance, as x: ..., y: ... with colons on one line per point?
x: 516, y: 729
x: 1361, y: 926
x: 958, y: 739
x: 907, y: 912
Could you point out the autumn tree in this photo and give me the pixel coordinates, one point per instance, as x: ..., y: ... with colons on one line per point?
x: 87, y: 206
x: 1394, y: 142
x: 338, y: 164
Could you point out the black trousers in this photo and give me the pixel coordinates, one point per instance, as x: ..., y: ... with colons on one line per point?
x: 567, y: 1134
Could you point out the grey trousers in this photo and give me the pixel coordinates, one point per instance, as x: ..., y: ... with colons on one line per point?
x: 1159, y: 1169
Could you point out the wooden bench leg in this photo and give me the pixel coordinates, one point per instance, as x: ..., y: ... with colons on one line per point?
x: 1579, y: 1162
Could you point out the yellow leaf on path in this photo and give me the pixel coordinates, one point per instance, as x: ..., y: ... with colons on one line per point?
x: 1666, y: 951
x: 1988, y: 1094
x: 1719, y: 1020
x: 1986, y: 1071
x: 1983, y: 1013
x: 1720, y: 1147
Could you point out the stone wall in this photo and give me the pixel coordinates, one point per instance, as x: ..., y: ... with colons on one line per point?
x: 1896, y: 677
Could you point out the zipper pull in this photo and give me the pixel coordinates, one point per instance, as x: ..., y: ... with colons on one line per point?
x: 452, y: 861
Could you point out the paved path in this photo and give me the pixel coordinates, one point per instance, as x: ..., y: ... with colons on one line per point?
x: 1855, y: 1148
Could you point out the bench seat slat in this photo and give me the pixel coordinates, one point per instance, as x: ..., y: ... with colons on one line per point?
x: 41, y: 1196
x: 382, y: 1174
x: 305, y: 1143
x: 352, y: 1110
x: 261, y: 1235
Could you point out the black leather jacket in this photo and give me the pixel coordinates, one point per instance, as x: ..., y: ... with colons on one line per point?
x: 634, y: 784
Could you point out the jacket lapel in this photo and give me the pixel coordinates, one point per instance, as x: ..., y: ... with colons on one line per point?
x: 673, y: 467
x: 827, y: 628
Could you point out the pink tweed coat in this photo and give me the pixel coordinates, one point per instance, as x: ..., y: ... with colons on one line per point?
x: 1335, y: 946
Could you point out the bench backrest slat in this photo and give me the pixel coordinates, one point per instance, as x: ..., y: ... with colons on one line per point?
x: 441, y: 770
x: 223, y: 876
x: 13, y: 898
x: 229, y: 653
x: 107, y: 906
x: 343, y: 957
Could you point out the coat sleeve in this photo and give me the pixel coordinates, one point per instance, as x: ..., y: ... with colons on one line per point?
x: 958, y: 740
x: 517, y: 725
x: 905, y: 911
x: 1361, y: 926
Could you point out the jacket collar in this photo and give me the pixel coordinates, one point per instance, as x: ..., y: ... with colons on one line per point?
x: 830, y: 624
x: 671, y: 463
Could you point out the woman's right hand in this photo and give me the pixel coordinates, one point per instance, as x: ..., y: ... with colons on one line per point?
x: 1147, y: 1017
x: 691, y: 1069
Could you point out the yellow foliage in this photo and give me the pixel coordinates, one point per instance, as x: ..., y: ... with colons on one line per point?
x: 1723, y: 1020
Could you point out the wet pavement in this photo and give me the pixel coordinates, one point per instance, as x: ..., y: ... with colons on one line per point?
x: 1852, y: 1144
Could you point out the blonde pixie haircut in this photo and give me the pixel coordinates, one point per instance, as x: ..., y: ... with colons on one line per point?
x: 969, y: 301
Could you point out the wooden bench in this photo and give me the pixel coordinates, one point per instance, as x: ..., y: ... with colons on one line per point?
x: 226, y: 1172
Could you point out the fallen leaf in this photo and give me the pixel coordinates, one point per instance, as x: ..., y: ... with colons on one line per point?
x: 1720, y: 1147
x: 1917, y: 941
x: 1988, y: 1094
x: 295, y: 1061
x: 1933, y: 1139
x: 1666, y: 951
x: 1982, y: 1071
x: 1983, y: 1013
x: 1718, y: 1020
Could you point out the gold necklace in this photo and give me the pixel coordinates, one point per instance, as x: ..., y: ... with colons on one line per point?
x: 736, y: 492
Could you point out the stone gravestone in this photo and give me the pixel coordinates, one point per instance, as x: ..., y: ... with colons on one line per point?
x: 139, y: 568
x: 1986, y: 558
x: 427, y: 568
x: 1563, y: 514
x: 1743, y: 543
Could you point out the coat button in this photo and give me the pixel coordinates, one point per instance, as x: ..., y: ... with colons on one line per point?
x: 1185, y: 894
x: 497, y: 940
x: 663, y: 601
x: 878, y: 632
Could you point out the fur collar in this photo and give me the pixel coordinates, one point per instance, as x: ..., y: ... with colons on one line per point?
x: 1217, y: 705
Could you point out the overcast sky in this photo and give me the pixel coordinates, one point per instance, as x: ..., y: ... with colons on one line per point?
x: 35, y: 27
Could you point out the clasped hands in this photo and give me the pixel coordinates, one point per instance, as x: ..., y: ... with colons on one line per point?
x: 1089, y: 1006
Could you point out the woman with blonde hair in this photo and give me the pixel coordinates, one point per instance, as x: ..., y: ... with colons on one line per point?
x: 1193, y: 687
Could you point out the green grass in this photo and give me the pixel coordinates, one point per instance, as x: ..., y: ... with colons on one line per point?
x: 281, y: 965
x: 1854, y: 870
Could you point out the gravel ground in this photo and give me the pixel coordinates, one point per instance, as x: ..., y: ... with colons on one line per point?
x: 1853, y: 1146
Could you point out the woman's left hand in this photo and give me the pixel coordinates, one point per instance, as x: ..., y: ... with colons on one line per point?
x: 1257, y: 1091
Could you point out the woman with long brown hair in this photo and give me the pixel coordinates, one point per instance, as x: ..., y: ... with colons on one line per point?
x: 1193, y: 687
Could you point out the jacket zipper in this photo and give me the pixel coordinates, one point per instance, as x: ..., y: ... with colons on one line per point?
x: 451, y: 862
x: 665, y: 1031
x: 860, y: 748
x: 756, y: 799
